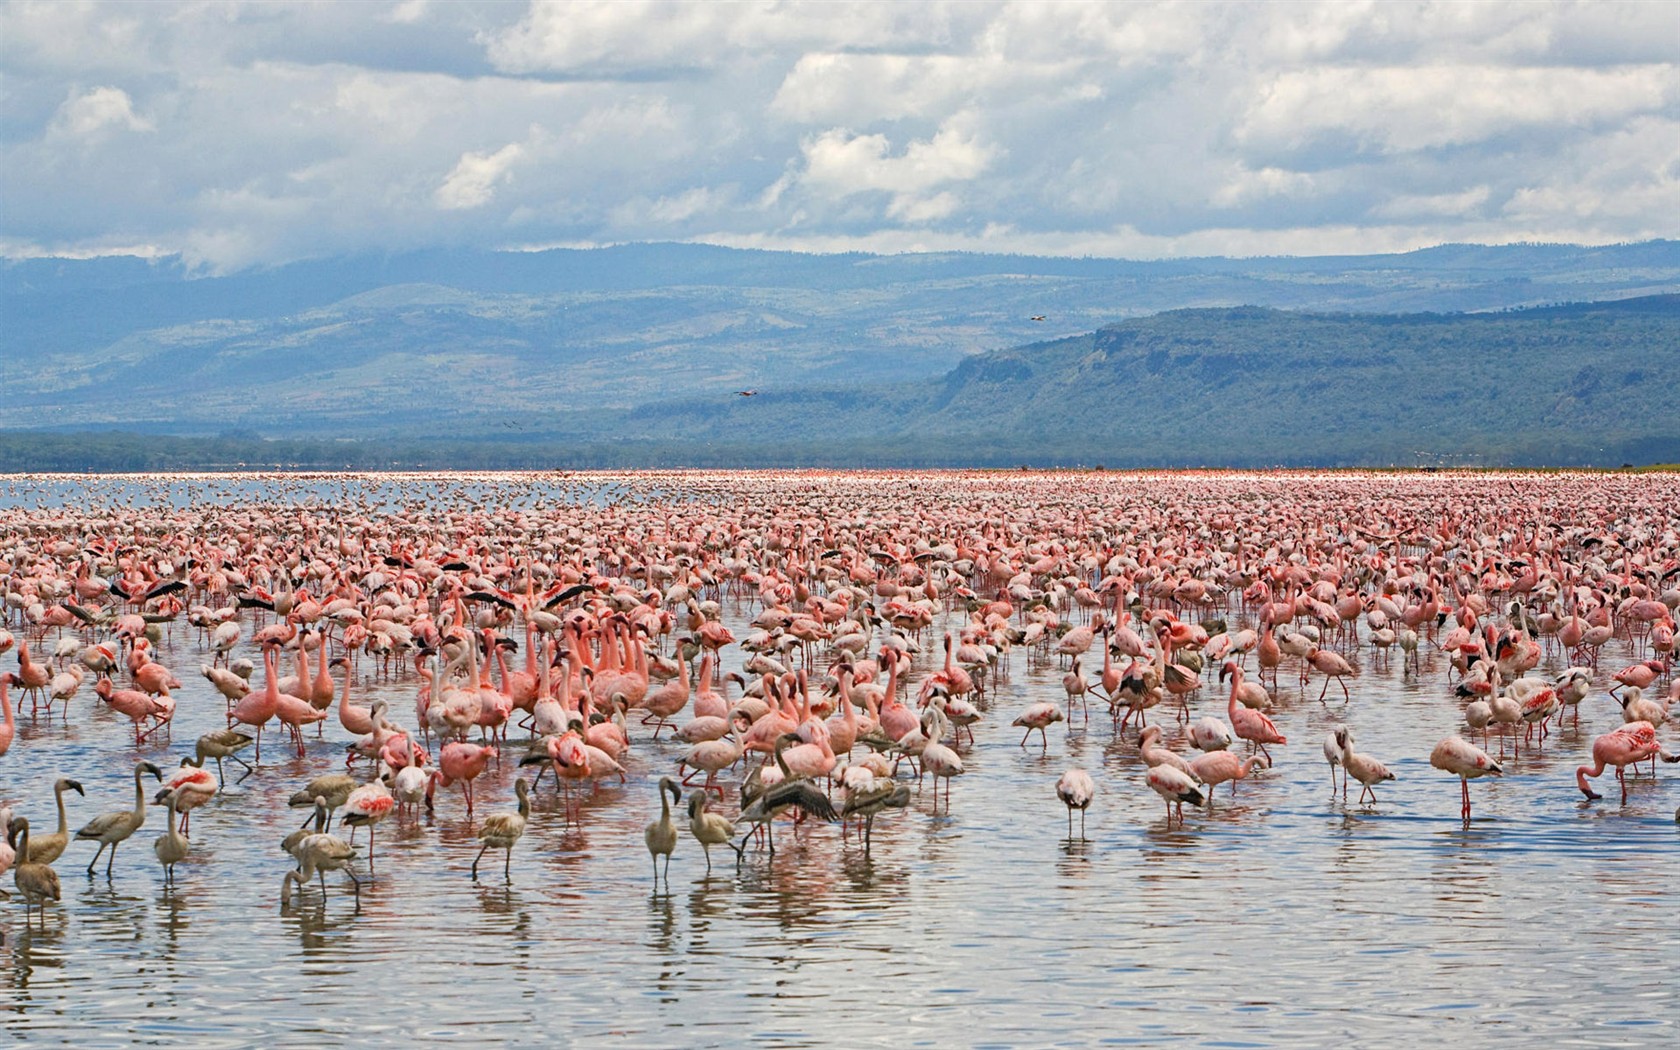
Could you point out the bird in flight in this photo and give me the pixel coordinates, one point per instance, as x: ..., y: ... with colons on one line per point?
x: 1036, y: 317
x: 747, y: 393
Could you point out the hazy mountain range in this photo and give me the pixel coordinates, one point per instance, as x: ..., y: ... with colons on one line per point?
x: 639, y: 351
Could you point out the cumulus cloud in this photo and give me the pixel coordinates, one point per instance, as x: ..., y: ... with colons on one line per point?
x: 255, y: 133
x: 1404, y: 109
x: 474, y: 178
x: 97, y: 110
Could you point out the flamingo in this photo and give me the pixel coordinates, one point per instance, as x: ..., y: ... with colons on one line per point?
x: 709, y: 829
x: 333, y: 789
x: 712, y: 757
x: 1076, y: 789
x: 1216, y: 767
x: 1365, y: 769
x: 503, y: 830
x: 171, y: 846
x: 1466, y: 761
x: 661, y: 835
x: 1209, y: 734
x: 1336, y: 744
x: 35, y: 881
x: 1250, y: 725
x: 49, y: 848
x: 8, y: 727
x: 872, y: 796
x: 317, y: 854
x: 189, y: 787
x: 138, y: 706
x: 1332, y: 666
x: 463, y: 762
x: 366, y: 806
x: 223, y: 743
x: 410, y: 783
x: 1175, y: 787
x: 1156, y: 756
x: 256, y: 708
x: 1039, y: 716
x: 113, y: 829
x: 1629, y: 745
x: 941, y: 761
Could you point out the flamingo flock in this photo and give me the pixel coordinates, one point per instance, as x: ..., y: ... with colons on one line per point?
x: 865, y: 623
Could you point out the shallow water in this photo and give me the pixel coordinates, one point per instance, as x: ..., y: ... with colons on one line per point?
x: 1283, y: 916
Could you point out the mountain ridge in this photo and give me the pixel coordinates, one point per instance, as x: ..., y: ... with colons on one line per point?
x: 651, y: 342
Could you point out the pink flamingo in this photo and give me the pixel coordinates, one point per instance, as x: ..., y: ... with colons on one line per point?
x: 1331, y: 666
x: 1639, y: 675
x: 463, y: 762
x: 1039, y: 716
x: 1249, y: 724
x: 257, y: 707
x: 1466, y: 761
x: 668, y: 700
x: 353, y: 717
x: 711, y: 757
x: 1175, y: 787
x: 1268, y: 653
x: 154, y: 678
x: 8, y: 729
x: 1629, y: 745
x: 1216, y: 767
x: 31, y: 676
x: 367, y: 806
x: 138, y: 706
x: 296, y: 712
x: 1363, y: 768
x: 193, y: 786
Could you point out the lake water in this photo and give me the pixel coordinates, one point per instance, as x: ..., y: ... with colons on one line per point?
x: 1282, y: 917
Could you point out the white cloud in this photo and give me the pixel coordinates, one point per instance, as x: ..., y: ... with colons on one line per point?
x: 840, y: 164
x: 1434, y: 205
x: 1396, y: 110
x: 1246, y: 186
x: 97, y: 110
x: 627, y: 37
x: 408, y: 12
x: 827, y: 87
x: 258, y: 132
x: 473, y: 180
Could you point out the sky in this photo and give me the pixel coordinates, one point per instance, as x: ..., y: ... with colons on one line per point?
x: 240, y: 135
